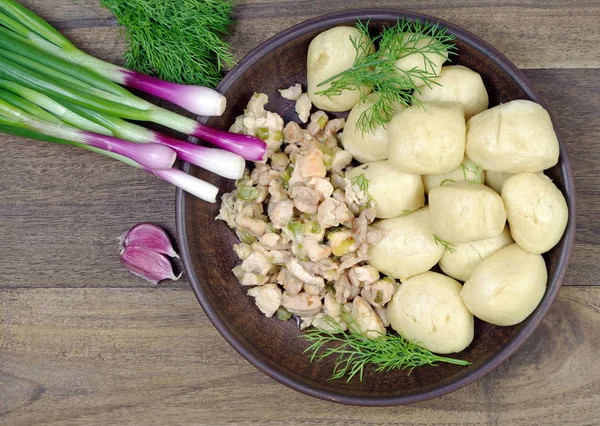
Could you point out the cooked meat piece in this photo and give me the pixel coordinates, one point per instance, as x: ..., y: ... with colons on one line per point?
x: 375, y: 234
x: 339, y: 195
x: 305, y: 199
x: 344, y: 290
x: 369, y: 214
x: 280, y: 257
x: 242, y: 250
x: 331, y: 306
x: 292, y: 93
x: 325, y: 322
x: 317, y: 121
x: 280, y: 213
x: 259, y: 169
x: 305, y: 322
x: 322, y: 186
x: 311, y: 164
x: 231, y: 206
x: 277, y: 192
x: 383, y: 316
x: 332, y: 212
x: 300, y: 273
x: 257, y: 263
x: 316, y: 290
x: 334, y: 126
x: 338, y: 181
x: 267, y: 297
x: 366, y: 274
x: 303, y: 304
x: 340, y: 160
x: 316, y: 251
x: 255, y: 226
x: 359, y: 229
x: 325, y: 268
x: 269, y: 240
x: 303, y: 107
x: 349, y: 261
x: 292, y: 133
x: 263, y: 192
x: 279, y: 161
x: 379, y: 292
x: 366, y: 319
x: 250, y: 278
x: 290, y: 283
x: 252, y: 210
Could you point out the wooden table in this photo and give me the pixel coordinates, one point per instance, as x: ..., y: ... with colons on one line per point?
x: 82, y: 341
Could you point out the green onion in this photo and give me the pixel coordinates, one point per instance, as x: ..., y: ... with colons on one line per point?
x: 152, y: 156
x: 190, y: 184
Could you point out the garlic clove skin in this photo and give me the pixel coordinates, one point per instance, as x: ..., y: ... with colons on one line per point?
x: 148, y: 236
x: 147, y: 264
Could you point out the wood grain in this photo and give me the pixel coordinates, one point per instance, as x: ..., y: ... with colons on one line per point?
x: 82, y: 341
x: 131, y: 356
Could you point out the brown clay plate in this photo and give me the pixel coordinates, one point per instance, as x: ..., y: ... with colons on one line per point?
x: 274, y: 346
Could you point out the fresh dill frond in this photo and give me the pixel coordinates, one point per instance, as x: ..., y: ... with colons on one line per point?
x: 475, y: 169
x: 353, y: 351
x: 180, y: 41
x: 449, y: 247
x: 378, y: 71
x: 405, y: 212
x: 447, y: 181
x: 362, y: 182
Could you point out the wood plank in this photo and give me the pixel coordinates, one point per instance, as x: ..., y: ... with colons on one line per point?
x: 118, y: 356
x: 530, y: 33
x: 62, y: 208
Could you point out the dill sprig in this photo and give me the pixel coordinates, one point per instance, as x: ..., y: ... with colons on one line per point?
x: 449, y: 247
x: 475, y: 169
x: 354, y: 351
x: 362, y: 182
x: 378, y: 70
x: 179, y: 40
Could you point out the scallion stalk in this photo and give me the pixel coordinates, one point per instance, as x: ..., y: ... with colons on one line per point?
x: 28, y: 107
x: 196, y: 99
x: 63, y: 114
x: 194, y: 186
x: 152, y: 156
x: 221, y: 162
x: 248, y: 147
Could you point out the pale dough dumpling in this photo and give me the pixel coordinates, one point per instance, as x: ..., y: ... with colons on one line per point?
x: 370, y: 145
x: 394, y: 192
x: 457, y: 84
x: 467, y: 170
x: 496, y: 180
x: 466, y: 211
x: 513, y: 137
x: 506, y: 287
x: 330, y: 53
x: 537, y: 211
x: 428, y: 139
x: 427, y: 310
x: 430, y: 62
x: 460, y: 262
x: 408, y: 248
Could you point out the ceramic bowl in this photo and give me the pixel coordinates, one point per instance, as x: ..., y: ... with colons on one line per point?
x: 273, y: 346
